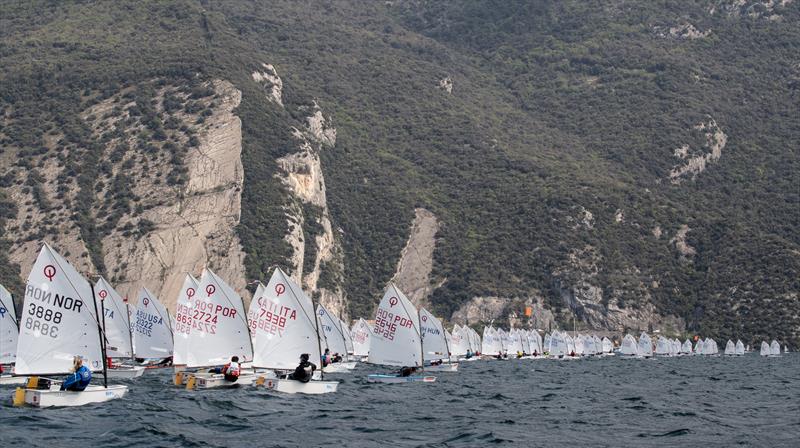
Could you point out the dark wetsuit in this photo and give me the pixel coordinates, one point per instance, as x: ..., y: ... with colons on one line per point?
x: 304, y: 372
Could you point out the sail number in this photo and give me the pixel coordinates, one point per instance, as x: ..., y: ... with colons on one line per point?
x: 386, y: 323
x: 43, y: 320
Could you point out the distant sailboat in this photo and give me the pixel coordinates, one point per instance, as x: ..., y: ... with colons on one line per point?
x: 730, y: 348
x: 9, y: 331
x: 435, y: 348
x: 774, y: 349
x: 765, y: 349
x: 739, y: 349
x: 116, y: 326
x: 362, y: 333
x: 645, y: 346
x: 152, y: 330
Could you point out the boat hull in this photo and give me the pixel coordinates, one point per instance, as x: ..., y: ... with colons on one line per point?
x: 204, y: 381
x: 396, y: 379
x: 8, y: 380
x: 339, y: 367
x: 286, y: 386
x: 60, y: 398
x: 126, y: 372
x: 451, y: 367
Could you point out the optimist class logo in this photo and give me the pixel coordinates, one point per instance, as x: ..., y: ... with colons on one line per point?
x: 190, y: 292
x: 210, y: 290
x: 102, y: 294
x: 50, y: 272
x: 280, y: 288
x: 146, y: 301
x: 393, y: 301
x: 424, y: 318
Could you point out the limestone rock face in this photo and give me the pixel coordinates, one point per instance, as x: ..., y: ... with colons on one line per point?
x: 416, y: 260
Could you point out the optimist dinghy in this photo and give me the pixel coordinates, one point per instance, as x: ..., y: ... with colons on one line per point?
x: 60, y: 322
x: 435, y: 349
x: 335, y: 339
x: 286, y: 328
x: 396, y: 338
x: 9, y: 330
x: 117, y: 330
x: 219, y: 331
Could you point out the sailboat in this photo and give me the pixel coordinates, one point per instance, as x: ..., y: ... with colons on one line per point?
x: 774, y: 349
x: 117, y: 330
x: 183, y: 324
x: 785, y: 349
x: 765, y: 350
x: 287, y: 328
x: 645, y: 346
x: 9, y: 330
x: 491, y: 345
x: 629, y: 347
x: 219, y: 331
x: 739, y: 349
x: 348, y: 341
x: 152, y: 330
x: 362, y: 333
x: 397, y: 338
x: 730, y: 348
x: 60, y: 322
x: 333, y: 337
x: 710, y: 347
x: 435, y: 348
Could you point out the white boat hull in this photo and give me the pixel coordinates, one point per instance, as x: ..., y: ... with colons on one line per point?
x: 450, y: 367
x: 203, y: 381
x: 287, y: 386
x: 8, y: 380
x: 55, y: 397
x: 395, y: 379
x: 339, y: 367
x: 126, y: 372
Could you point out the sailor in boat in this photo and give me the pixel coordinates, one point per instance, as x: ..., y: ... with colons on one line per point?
x: 230, y: 370
x: 304, y: 371
x: 408, y: 371
x: 469, y: 353
x: 326, y: 358
x: 166, y: 362
x: 519, y: 354
x: 535, y: 352
x: 336, y: 358
x: 81, y: 377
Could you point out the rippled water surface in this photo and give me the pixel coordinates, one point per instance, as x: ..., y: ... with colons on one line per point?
x: 688, y: 401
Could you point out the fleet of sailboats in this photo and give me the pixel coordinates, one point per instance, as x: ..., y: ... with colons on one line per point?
x: 66, y: 316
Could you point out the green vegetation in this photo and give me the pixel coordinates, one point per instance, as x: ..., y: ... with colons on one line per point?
x: 556, y: 108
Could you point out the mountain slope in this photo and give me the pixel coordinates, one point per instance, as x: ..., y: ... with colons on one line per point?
x: 629, y: 163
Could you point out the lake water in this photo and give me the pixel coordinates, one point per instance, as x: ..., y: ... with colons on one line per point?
x: 613, y: 402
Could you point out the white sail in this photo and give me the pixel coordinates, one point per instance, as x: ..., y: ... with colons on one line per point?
x: 254, y: 309
x: 59, y: 320
x: 9, y: 329
x: 710, y: 347
x: 396, y: 339
x: 348, y: 337
x: 739, y: 350
x: 329, y: 326
x: 152, y: 335
x: 662, y: 346
x: 459, y: 341
x: 686, y: 347
x: 362, y: 333
x: 287, y: 325
x: 774, y: 348
x: 219, y: 324
x: 434, y: 341
x: 645, y: 345
x: 119, y: 342
x: 475, y: 340
x: 526, y: 343
x: 765, y: 349
x: 730, y: 348
x: 629, y: 347
x: 607, y: 346
x: 491, y: 342
x: 183, y: 320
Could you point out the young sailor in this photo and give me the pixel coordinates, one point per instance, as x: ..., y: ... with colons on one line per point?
x: 304, y: 371
x: 230, y: 370
x: 326, y: 358
x: 408, y: 371
x: 78, y: 381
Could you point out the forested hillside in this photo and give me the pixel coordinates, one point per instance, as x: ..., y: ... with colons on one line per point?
x: 631, y: 163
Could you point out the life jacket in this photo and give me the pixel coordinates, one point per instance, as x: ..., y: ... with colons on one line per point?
x: 231, y: 369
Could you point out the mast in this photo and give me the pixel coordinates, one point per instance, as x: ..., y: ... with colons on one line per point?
x: 101, y: 334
